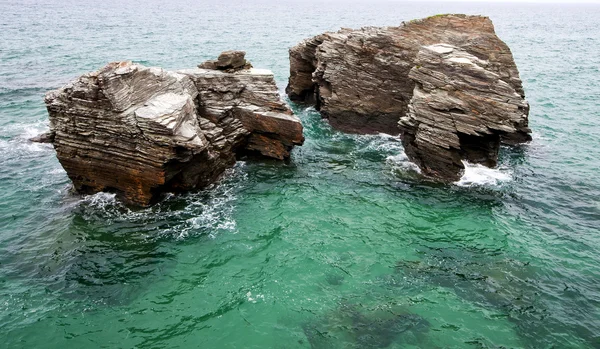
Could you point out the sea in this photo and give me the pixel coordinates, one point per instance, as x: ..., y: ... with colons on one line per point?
x: 345, y: 245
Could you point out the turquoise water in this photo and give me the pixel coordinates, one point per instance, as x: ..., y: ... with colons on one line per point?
x: 343, y: 247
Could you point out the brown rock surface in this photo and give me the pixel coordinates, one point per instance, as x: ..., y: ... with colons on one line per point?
x: 459, y: 111
x: 359, y: 79
x: 141, y: 131
x: 231, y: 60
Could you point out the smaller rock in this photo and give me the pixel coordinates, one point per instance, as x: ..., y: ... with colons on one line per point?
x: 231, y: 60
x: 210, y: 64
x: 46, y: 137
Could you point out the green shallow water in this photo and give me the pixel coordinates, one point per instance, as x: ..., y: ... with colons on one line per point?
x: 345, y: 246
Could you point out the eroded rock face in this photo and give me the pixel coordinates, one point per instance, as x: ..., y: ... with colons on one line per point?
x: 141, y: 131
x: 459, y: 110
x: 359, y: 80
x: 248, y: 101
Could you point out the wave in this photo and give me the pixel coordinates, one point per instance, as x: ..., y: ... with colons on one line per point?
x: 19, y: 134
x: 381, y: 142
x: 400, y: 162
x: 479, y: 175
x: 205, y: 212
x: 474, y: 174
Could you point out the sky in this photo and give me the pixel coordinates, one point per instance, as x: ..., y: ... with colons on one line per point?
x: 523, y: 1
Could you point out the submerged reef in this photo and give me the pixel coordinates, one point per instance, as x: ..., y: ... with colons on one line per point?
x: 140, y: 131
x: 447, y: 84
x: 358, y: 327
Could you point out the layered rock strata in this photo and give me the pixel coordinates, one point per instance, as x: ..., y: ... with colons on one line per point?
x: 459, y: 111
x: 359, y: 80
x: 140, y: 131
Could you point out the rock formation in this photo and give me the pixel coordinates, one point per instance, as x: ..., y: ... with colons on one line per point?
x: 140, y: 131
x: 459, y: 110
x: 364, y: 81
x: 229, y: 60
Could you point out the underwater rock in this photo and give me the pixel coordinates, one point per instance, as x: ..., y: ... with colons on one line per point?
x: 334, y: 279
x: 359, y: 80
x: 354, y: 327
x: 505, y: 286
x: 140, y: 131
x: 46, y: 137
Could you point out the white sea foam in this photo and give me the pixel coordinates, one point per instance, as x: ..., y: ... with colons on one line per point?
x: 254, y: 298
x: 474, y: 175
x: 381, y: 143
x: 536, y: 135
x: 216, y: 214
x: 58, y: 170
x: 387, y: 143
x: 400, y: 162
x: 479, y: 175
x: 32, y: 130
x: 205, y: 212
x: 100, y: 200
x: 21, y: 133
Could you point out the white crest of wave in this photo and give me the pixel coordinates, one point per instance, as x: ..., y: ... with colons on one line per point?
x: 387, y: 143
x: 32, y: 130
x: 100, y: 200
x: 401, y: 162
x: 479, y: 175
x: 19, y: 134
x: 216, y: 214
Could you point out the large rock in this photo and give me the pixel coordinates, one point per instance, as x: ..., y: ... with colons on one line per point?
x: 141, y: 131
x: 459, y: 110
x: 359, y: 79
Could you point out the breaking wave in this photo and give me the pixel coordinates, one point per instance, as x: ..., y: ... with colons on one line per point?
x: 18, y: 143
x: 206, y: 212
x: 400, y: 162
x: 474, y: 174
x: 479, y: 175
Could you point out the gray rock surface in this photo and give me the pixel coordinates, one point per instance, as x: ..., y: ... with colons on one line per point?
x: 459, y: 111
x: 359, y: 80
x: 141, y: 131
x: 231, y: 60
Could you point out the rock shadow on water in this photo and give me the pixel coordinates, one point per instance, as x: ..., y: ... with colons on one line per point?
x: 355, y: 326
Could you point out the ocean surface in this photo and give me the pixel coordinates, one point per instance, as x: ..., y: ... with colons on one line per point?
x: 345, y: 246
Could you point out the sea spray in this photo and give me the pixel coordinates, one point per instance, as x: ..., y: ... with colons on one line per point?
x: 479, y: 175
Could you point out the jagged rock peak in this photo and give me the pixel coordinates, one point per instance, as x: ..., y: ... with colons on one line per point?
x: 141, y: 131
